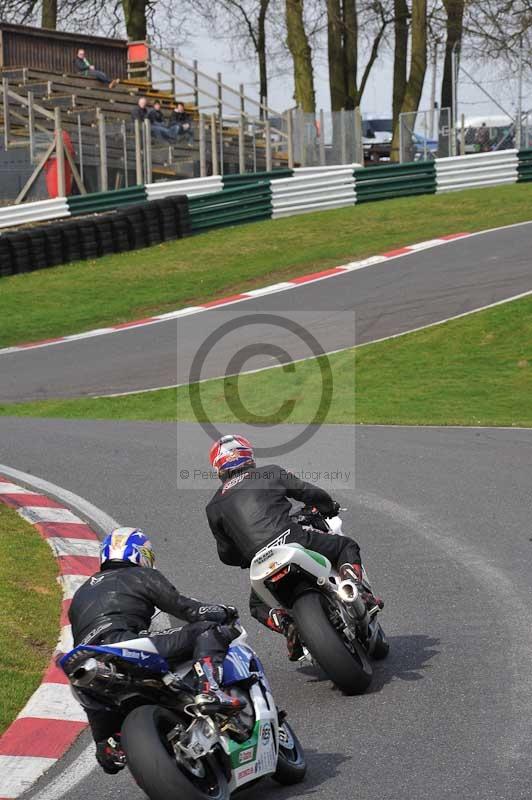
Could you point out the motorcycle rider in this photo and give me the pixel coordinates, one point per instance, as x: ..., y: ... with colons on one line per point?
x: 117, y: 604
x: 251, y: 509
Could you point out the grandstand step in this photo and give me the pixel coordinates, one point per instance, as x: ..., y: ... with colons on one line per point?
x: 17, y: 73
x: 39, y: 88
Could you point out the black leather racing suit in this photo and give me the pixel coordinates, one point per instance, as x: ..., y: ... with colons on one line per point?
x: 118, y: 603
x: 251, y: 508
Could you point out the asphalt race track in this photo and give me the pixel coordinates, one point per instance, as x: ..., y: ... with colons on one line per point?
x: 355, y: 307
x: 443, y: 518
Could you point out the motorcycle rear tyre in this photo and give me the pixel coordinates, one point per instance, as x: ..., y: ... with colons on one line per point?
x: 152, y: 764
x: 351, y: 672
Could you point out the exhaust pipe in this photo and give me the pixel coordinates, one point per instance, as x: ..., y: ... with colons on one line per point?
x: 349, y: 594
x: 90, y: 670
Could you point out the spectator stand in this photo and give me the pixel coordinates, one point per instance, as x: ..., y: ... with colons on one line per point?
x: 42, y: 95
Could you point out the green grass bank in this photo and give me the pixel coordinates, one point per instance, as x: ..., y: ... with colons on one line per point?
x: 118, y: 288
x: 30, y: 600
x: 476, y: 370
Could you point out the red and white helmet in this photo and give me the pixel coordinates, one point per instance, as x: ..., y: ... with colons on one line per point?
x: 231, y: 452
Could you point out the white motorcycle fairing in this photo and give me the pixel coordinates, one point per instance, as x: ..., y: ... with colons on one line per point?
x: 273, y: 559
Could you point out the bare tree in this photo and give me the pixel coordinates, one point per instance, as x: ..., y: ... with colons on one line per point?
x: 345, y: 20
x: 301, y: 52
x: 499, y: 29
x: 454, y: 10
x: 104, y: 17
x: 245, y: 23
x: 400, y: 56
x: 21, y: 12
x: 136, y: 18
x: 49, y: 14
x: 418, y: 68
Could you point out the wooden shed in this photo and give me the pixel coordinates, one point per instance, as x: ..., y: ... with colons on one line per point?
x: 55, y: 51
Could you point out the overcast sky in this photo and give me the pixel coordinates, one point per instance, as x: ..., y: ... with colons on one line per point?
x: 215, y: 55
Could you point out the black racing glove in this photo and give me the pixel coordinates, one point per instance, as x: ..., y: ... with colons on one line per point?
x: 216, y: 613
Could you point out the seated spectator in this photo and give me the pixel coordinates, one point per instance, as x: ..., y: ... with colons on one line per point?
x: 85, y: 68
x: 156, y: 118
x: 141, y: 110
x: 181, y: 124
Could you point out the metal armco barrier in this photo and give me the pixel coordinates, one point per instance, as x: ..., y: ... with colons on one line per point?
x: 299, y: 172
x: 524, y: 167
x: 33, y: 212
x: 313, y: 192
x: 106, y: 201
x: 232, y: 181
x: 192, y: 187
x: 396, y: 180
x: 233, y: 199
x: 476, y: 171
x: 247, y: 203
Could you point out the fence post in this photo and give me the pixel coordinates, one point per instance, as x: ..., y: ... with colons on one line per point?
x: 59, y: 153
x: 343, y: 138
x: 202, y: 153
x: 302, y: 137
x: 254, y: 139
x: 268, y: 138
x: 124, y: 150
x: 196, y: 83
x: 290, y: 138
x: 103, y: 150
x: 359, y: 145
x: 5, y: 100
x: 214, y: 146
x: 148, y: 178
x: 462, y: 135
x: 322, y: 138
x: 172, y: 71
x: 80, y: 150
x: 31, y: 126
x: 149, y: 64
x: 220, y: 119
x: 400, y: 138
x: 241, y: 146
x: 138, y: 153
x: 241, y: 137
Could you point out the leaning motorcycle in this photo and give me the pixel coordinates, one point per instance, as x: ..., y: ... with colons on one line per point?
x: 339, y: 632
x: 171, y: 748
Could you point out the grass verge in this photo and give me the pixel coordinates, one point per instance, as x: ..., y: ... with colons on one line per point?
x: 126, y: 286
x: 476, y: 370
x: 30, y: 601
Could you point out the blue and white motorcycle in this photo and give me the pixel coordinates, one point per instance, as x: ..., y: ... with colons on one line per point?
x: 173, y: 751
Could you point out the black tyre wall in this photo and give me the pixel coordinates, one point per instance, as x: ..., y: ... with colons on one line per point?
x: 134, y: 227
x: 6, y: 262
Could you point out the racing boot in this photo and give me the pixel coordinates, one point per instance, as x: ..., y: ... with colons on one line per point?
x: 354, y: 572
x: 280, y: 622
x: 211, y: 699
x: 110, y: 756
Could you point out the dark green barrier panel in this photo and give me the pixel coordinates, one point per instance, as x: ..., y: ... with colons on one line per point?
x: 106, y: 201
x: 247, y: 203
x: 395, y: 180
x: 524, y: 168
x: 230, y: 181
